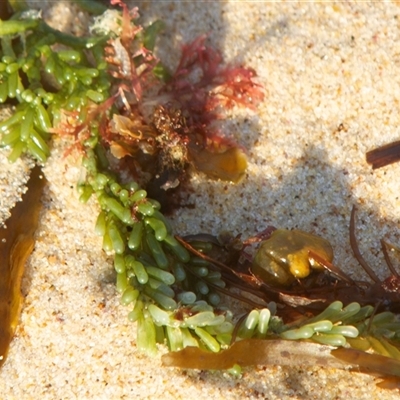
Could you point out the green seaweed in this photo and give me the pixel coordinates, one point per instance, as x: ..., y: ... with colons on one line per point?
x: 146, y: 254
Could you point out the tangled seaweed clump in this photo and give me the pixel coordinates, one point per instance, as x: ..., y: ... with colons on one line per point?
x: 97, y: 91
x: 141, y: 129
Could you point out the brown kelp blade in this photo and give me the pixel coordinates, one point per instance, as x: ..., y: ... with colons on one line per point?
x: 255, y: 352
x: 391, y: 383
x: 370, y: 363
x: 16, y: 244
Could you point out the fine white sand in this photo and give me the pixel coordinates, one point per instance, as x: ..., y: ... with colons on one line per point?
x: 331, y: 73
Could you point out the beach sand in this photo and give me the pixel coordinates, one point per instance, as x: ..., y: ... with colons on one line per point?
x: 331, y: 73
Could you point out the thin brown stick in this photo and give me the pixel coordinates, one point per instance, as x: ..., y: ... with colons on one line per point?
x: 237, y: 327
x: 242, y: 277
x: 371, y: 318
x: 356, y: 250
x: 226, y: 291
x: 211, y: 260
x: 385, y: 155
x: 389, y: 263
x: 330, y: 267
